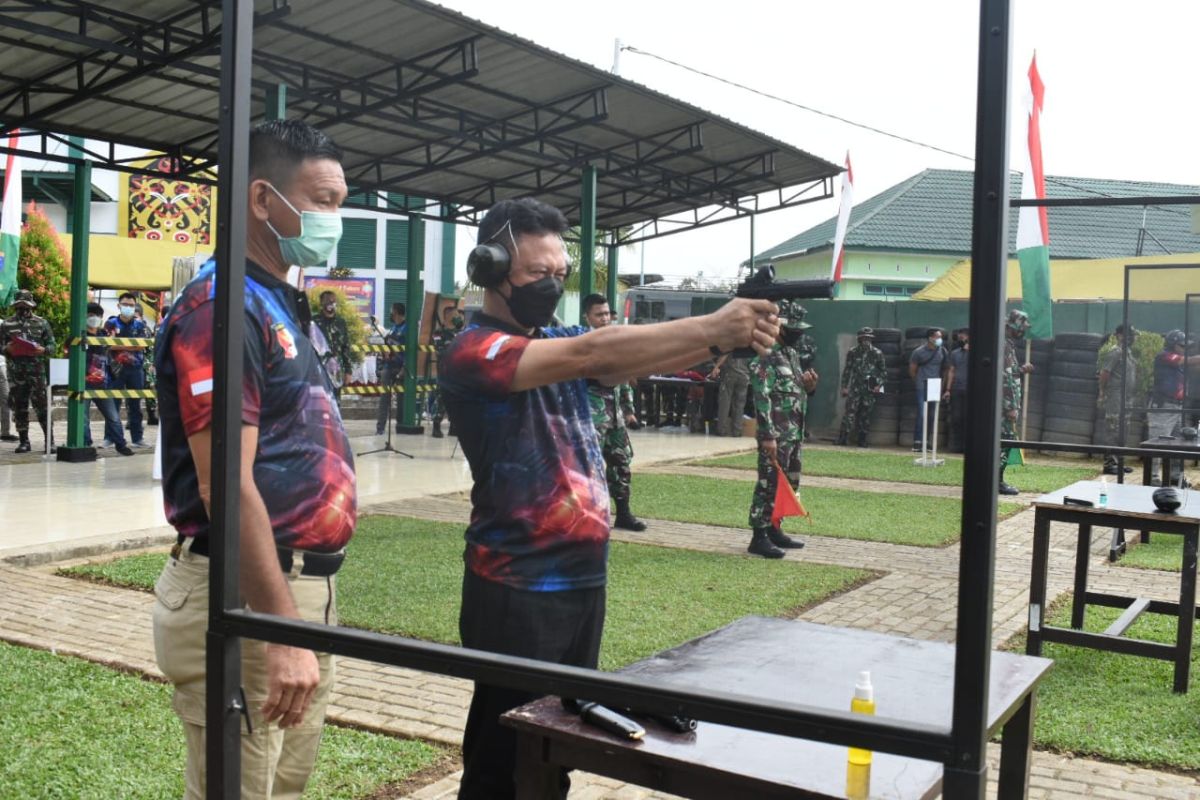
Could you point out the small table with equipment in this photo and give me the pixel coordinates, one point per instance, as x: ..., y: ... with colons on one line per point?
x: 794, y: 662
x: 1128, y: 507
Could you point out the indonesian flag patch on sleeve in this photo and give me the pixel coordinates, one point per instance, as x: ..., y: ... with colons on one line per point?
x: 200, y: 381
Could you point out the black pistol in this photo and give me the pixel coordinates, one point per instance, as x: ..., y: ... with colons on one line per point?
x: 763, y: 286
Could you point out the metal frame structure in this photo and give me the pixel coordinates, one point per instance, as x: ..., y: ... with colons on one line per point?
x: 962, y: 748
x: 530, y: 150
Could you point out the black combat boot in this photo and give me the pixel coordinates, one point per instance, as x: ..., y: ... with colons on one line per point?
x: 842, y: 439
x: 625, y: 518
x: 760, y: 544
x: 862, y: 440
x: 437, y: 428
x: 1005, y: 488
x: 782, y: 540
x: 23, y: 446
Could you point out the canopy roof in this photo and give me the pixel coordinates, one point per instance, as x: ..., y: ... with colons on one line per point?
x: 1083, y: 279
x: 425, y: 102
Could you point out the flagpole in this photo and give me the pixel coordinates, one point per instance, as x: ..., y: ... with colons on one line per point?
x: 1025, y: 391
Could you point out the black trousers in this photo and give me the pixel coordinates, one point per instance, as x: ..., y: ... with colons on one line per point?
x: 561, y: 627
x: 958, y: 421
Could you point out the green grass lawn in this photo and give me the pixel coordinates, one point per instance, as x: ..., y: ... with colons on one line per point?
x: 73, y: 729
x: 900, y: 468
x: 1117, y: 707
x: 843, y: 513
x: 405, y: 576
x: 1163, y: 551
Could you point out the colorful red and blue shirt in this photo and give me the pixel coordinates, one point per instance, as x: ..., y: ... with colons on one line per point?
x: 304, y: 468
x: 540, y: 508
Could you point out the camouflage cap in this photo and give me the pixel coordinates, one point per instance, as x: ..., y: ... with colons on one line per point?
x: 867, y: 331
x: 24, y: 297
x: 791, y: 315
x: 1017, y: 319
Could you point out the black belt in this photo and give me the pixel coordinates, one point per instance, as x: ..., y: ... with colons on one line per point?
x: 318, y: 565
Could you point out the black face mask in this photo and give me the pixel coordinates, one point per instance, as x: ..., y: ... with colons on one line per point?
x: 533, y: 304
x: 24, y: 311
x: 791, y: 338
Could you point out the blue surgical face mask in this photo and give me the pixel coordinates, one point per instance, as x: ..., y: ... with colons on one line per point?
x: 94, y: 322
x: 319, y: 234
x: 937, y: 342
x: 127, y: 311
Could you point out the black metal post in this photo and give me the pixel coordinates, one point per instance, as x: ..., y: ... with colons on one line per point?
x: 223, y: 655
x: 966, y: 774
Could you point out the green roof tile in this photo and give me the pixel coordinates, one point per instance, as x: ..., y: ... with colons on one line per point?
x: 931, y: 213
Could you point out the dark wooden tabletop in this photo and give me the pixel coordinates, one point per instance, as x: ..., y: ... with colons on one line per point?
x: 1124, y: 500
x: 1170, y: 443
x: 803, y: 663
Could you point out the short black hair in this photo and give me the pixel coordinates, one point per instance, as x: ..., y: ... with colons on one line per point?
x: 95, y: 308
x: 400, y: 308
x: 524, y: 215
x: 127, y: 295
x: 593, y: 300
x: 329, y: 292
x: 932, y: 332
x: 279, y: 146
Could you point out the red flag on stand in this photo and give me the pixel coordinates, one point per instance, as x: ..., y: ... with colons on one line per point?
x: 787, y: 504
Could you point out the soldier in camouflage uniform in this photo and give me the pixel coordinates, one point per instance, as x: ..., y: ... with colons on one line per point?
x: 337, y: 358
x: 612, y: 410
x: 862, y: 381
x: 27, y: 341
x: 781, y: 382
x: 1014, y: 331
x: 447, y: 329
x: 1118, y: 375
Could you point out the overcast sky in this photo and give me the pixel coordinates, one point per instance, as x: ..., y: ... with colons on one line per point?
x: 1120, y: 79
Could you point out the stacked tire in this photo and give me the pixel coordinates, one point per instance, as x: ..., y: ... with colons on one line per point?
x: 915, y: 337
x: 1070, y: 405
x: 885, y: 421
x: 1039, y: 387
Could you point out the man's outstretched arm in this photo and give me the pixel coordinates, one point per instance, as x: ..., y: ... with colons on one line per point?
x: 620, y: 352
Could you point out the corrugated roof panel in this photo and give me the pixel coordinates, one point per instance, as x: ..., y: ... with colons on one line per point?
x: 508, y: 125
x: 931, y: 212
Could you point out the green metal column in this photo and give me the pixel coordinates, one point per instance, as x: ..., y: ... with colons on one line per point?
x: 413, y: 300
x: 613, y: 250
x: 275, y: 102
x: 752, y: 244
x: 77, y: 407
x: 587, y: 237
x: 449, y: 234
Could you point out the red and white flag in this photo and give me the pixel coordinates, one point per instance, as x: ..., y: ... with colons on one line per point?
x: 843, y: 221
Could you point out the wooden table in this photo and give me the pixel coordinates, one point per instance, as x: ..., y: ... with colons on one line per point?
x: 795, y: 662
x: 1128, y: 507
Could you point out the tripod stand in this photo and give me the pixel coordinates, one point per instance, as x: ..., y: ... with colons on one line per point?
x: 387, y: 444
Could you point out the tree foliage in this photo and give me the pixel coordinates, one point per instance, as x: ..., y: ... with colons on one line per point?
x: 44, y: 268
x: 1145, y: 347
x: 348, y: 312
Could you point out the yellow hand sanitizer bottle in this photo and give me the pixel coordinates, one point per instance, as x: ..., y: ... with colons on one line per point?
x: 863, y: 703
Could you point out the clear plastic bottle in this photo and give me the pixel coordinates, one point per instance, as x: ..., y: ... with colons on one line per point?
x: 1103, y: 499
x: 862, y: 703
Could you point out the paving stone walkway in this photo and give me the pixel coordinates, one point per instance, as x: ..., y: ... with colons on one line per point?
x: 915, y: 596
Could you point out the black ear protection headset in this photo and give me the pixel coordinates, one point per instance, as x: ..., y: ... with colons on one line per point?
x: 488, y: 264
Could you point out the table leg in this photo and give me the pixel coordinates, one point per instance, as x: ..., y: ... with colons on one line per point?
x: 535, y: 777
x: 1083, y: 551
x: 1147, y: 476
x: 1016, y: 751
x: 1037, y: 584
x: 1187, y: 611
